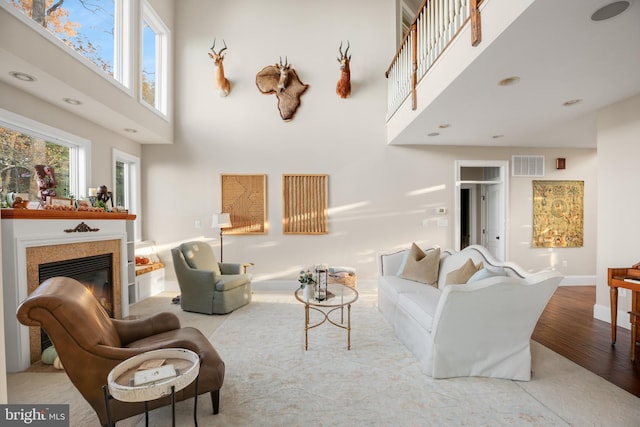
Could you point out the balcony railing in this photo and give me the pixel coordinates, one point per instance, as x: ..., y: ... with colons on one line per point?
x: 436, y: 24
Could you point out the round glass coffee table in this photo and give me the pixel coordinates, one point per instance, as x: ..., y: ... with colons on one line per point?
x: 171, y: 370
x: 338, y: 297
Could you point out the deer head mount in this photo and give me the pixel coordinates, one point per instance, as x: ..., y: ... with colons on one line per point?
x: 222, y: 83
x: 343, y: 87
x: 282, y: 80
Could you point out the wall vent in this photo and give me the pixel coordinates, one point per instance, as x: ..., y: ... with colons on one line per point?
x: 527, y: 166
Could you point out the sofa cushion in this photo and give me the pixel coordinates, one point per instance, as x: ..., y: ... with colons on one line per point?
x: 421, y: 306
x: 227, y: 282
x: 420, y: 266
x: 200, y: 256
x: 462, y: 274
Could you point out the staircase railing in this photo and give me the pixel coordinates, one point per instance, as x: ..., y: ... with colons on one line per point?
x: 436, y: 24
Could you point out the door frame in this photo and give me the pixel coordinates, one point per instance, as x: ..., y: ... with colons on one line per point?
x: 503, y: 182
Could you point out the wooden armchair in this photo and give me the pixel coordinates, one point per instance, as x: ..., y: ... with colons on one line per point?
x: 90, y: 343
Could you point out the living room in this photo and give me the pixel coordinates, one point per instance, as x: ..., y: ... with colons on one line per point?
x: 380, y: 196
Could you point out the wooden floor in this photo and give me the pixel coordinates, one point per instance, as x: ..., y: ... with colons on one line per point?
x: 567, y: 327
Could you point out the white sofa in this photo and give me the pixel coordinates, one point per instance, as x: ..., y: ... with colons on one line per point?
x: 476, y: 329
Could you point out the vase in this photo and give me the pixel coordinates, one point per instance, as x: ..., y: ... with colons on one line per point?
x: 307, y: 292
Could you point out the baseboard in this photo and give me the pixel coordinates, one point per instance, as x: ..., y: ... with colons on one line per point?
x: 603, y: 312
x: 578, y: 281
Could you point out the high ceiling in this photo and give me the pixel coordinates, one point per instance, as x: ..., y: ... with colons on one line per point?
x: 560, y: 54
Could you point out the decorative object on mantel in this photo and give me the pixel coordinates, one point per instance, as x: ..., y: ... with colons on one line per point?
x: 282, y: 80
x: 343, y: 87
x: 103, y: 196
x: 46, y: 178
x: 18, y: 203
x: 60, y: 204
x: 81, y: 228
x: 222, y: 83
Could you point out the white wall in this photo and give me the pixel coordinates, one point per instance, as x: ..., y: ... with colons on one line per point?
x: 618, y: 201
x: 102, y: 140
x: 378, y: 195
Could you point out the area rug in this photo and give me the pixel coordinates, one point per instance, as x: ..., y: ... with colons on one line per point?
x: 272, y: 381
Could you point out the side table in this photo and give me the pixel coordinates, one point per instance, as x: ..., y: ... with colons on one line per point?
x: 120, y: 385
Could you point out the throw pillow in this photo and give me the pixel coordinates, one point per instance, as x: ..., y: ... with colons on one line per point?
x: 422, y: 266
x: 461, y: 275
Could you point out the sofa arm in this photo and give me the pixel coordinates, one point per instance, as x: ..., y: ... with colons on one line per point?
x: 389, y: 262
x: 132, y: 330
x: 501, y: 313
x: 233, y: 268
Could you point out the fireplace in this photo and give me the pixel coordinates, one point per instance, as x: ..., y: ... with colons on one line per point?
x: 94, y: 272
x: 37, y: 243
x: 81, y: 257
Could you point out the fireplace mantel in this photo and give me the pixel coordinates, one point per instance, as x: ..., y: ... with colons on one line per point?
x: 51, y: 214
x: 26, y: 232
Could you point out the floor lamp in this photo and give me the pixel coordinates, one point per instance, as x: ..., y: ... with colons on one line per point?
x: 221, y: 221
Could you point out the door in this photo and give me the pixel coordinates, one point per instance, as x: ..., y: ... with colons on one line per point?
x: 488, y: 216
x: 493, y: 221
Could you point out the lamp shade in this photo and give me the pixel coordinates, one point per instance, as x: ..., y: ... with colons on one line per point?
x: 221, y: 220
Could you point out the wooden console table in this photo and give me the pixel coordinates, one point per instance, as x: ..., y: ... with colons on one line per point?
x: 627, y: 278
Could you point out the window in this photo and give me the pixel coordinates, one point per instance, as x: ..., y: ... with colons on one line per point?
x: 154, y: 60
x: 97, y: 30
x: 26, y: 143
x: 126, y: 194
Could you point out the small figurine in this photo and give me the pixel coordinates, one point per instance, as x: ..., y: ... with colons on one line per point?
x: 103, y: 194
x: 46, y: 179
x: 18, y: 203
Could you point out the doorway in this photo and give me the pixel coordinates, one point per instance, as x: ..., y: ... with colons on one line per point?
x: 481, y: 205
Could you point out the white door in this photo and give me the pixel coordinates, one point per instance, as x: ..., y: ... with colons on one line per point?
x: 490, y: 178
x: 493, y: 221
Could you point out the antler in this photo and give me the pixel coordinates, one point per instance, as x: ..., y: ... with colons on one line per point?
x: 344, y: 55
x: 214, y: 45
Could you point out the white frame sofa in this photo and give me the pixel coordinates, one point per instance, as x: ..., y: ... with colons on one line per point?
x: 475, y: 329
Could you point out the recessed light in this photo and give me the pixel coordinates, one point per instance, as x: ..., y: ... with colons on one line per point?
x: 571, y: 102
x: 610, y: 10
x: 131, y: 130
x: 71, y: 101
x: 22, y: 76
x: 509, y: 81
x: 433, y: 134
x: 444, y: 126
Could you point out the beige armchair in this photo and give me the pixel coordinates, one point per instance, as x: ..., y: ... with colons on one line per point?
x: 206, y: 285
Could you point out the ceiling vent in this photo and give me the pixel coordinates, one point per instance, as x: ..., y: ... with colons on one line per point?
x: 527, y: 166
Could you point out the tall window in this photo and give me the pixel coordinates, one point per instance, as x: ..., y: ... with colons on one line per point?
x: 96, y: 29
x: 154, y: 60
x: 26, y: 143
x: 126, y: 172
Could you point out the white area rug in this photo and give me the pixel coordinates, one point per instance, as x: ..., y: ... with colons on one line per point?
x: 272, y: 381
